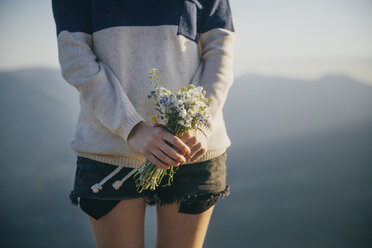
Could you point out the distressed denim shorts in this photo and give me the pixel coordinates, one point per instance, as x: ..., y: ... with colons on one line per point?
x: 196, y: 186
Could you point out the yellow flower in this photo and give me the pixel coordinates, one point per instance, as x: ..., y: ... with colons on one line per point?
x: 153, y: 118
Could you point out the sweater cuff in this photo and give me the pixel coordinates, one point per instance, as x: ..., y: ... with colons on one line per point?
x: 128, y: 125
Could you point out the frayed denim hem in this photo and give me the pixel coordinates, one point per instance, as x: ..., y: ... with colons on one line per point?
x: 74, y: 200
x: 190, y: 203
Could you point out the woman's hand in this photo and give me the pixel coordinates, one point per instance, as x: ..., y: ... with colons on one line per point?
x: 150, y: 141
x: 197, y: 142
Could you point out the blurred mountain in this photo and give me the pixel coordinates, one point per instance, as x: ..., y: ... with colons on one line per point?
x: 299, y: 166
x: 265, y: 109
x: 38, y: 112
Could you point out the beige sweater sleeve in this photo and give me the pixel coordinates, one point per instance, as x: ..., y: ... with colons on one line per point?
x: 215, y: 72
x: 98, y: 86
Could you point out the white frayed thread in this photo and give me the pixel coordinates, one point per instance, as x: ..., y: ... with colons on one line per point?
x: 98, y: 186
x: 116, y: 185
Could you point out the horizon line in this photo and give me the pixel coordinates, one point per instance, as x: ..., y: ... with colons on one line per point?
x: 237, y: 76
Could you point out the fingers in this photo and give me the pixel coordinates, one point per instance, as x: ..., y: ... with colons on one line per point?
x: 198, y: 155
x: 169, y: 151
x: 196, y: 152
x: 153, y: 159
x: 165, y: 158
x: 177, y: 142
x: 192, y: 142
x: 196, y: 146
x: 164, y: 154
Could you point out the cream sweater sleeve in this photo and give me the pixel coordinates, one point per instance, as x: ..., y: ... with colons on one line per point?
x: 98, y: 86
x: 216, y: 42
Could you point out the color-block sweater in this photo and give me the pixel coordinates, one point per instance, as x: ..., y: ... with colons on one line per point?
x: 107, y: 48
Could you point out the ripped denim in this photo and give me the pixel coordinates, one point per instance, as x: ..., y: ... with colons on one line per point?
x: 196, y: 186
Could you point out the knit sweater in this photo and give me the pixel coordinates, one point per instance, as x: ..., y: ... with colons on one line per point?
x: 106, y: 50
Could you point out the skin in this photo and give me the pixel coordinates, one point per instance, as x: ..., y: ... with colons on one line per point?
x: 150, y: 142
x: 197, y: 142
x: 181, y: 230
x: 123, y: 226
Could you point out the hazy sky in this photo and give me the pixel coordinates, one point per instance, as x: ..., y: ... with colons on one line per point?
x: 293, y: 38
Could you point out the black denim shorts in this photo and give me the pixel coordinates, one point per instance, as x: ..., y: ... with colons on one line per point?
x: 196, y: 186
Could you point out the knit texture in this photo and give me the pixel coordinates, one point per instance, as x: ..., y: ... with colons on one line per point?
x: 107, y: 48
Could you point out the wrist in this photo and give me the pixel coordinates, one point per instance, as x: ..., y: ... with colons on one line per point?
x: 135, y: 129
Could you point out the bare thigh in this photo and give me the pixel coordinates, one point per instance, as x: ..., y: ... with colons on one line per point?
x: 123, y: 226
x: 181, y: 230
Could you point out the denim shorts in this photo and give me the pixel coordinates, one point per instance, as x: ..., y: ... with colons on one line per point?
x: 197, y: 186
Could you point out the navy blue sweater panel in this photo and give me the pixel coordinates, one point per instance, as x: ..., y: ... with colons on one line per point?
x: 72, y: 15
x: 216, y: 14
x: 112, y: 13
x: 191, y: 16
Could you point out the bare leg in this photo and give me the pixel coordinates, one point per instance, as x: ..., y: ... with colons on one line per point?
x: 123, y: 226
x: 181, y: 230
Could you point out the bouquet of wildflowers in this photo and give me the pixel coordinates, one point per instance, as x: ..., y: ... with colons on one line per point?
x: 179, y: 113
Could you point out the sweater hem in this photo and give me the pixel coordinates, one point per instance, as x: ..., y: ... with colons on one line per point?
x: 135, y: 162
